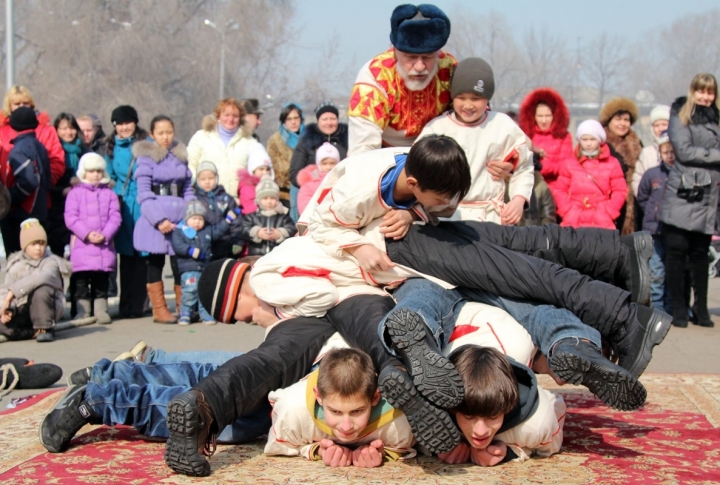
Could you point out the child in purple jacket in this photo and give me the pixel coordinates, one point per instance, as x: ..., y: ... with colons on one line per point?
x: 92, y: 214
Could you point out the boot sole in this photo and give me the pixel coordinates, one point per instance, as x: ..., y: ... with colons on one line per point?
x: 658, y: 330
x: 643, y: 252
x: 616, y: 387
x: 181, y: 449
x: 433, y: 374
x: 432, y: 427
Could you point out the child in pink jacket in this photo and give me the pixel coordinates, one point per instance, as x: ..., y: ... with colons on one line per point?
x: 259, y: 164
x: 591, y: 189
x: 310, y: 177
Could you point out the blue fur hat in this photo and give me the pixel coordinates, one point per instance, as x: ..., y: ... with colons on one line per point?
x: 419, y: 29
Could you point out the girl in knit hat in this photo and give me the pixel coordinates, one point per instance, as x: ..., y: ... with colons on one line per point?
x: 591, y: 189
x: 259, y: 164
x: 310, y: 177
x: 92, y: 213
x: 270, y: 224
x: 650, y: 155
x: 33, y: 295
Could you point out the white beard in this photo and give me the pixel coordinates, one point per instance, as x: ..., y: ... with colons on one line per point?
x: 412, y: 84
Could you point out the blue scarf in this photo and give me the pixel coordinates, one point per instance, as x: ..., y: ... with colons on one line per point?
x: 226, y: 135
x: 291, y: 139
x: 72, y: 155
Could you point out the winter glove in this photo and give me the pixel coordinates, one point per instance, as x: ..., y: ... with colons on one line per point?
x: 195, y: 253
x: 232, y: 215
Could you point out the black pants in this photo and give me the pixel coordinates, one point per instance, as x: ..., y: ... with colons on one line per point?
x: 37, y: 313
x: 155, y: 264
x: 132, y: 286
x: 681, y: 245
x: 90, y: 285
x: 457, y: 253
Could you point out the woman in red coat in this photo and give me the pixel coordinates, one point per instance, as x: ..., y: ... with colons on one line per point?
x: 591, y: 188
x: 544, y: 118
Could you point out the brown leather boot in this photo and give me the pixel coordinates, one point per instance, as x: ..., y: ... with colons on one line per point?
x: 159, y: 307
x: 191, y: 428
x: 178, y: 299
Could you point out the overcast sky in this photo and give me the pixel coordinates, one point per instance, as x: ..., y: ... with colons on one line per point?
x: 364, y: 26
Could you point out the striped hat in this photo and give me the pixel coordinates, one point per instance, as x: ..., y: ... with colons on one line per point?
x: 219, y: 288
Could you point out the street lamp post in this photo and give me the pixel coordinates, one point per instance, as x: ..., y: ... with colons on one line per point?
x: 211, y: 24
x: 9, y: 45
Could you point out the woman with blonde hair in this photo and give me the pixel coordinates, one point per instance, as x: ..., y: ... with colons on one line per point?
x: 225, y: 141
x: 690, y: 201
x: 20, y: 96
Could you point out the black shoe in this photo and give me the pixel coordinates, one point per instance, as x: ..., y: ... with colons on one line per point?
x: 189, y: 423
x: 640, y: 245
x: 433, y: 374
x: 646, y: 330
x: 702, y: 316
x: 579, y: 362
x: 79, y: 377
x: 45, y: 335
x: 432, y: 426
x: 32, y: 376
x: 68, y: 416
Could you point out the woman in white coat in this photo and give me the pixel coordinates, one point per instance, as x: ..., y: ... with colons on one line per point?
x: 224, y: 140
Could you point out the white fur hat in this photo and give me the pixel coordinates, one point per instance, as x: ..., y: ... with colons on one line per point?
x: 592, y: 128
x: 660, y: 112
x: 92, y: 161
x: 259, y: 157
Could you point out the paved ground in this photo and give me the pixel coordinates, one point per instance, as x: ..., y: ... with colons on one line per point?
x: 690, y: 350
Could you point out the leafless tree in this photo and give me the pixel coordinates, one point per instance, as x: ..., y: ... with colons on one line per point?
x: 603, y: 61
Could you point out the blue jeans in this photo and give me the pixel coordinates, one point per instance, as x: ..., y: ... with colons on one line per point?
x: 217, y: 357
x: 660, y: 297
x: 136, y: 394
x: 190, y: 301
x: 546, y: 324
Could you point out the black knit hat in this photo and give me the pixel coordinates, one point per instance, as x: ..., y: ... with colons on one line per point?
x: 23, y: 118
x: 219, y: 288
x: 124, y: 114
x: 326, y: 107
x: 473, y: 75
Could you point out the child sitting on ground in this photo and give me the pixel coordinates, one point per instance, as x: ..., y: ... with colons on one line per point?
x: 270, y: 224
x: 310, y: 177
x: 33, y: 294
x: 485, y: 135
x: 218, y: 203
x: 192, y: 242
x: 92, y: 214
x: 259, y: 165
x: 590, y: 190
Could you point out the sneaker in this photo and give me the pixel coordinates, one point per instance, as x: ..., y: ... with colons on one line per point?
x: 578, y: 362
x: 640, y: 245
x: 209, y: 322
x: 643, y: 333
x: 191, y: 438
x: 184, y: 321
x: 79, y: 377
x: 433, y: 374
x: 68, y: 416
x: 137, y: 353
x: 45, y: 335
x: 433, y: 427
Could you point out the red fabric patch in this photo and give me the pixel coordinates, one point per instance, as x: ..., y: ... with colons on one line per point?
x: 323, y: 194
x: 462, y: 330
x: 314, y: 273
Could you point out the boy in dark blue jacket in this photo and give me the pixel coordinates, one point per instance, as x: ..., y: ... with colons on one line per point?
x: 192, y: 242
x: 219, y: 203
x: 29, y: 179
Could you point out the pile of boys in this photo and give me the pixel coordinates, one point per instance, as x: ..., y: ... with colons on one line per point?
x: 425, y: 374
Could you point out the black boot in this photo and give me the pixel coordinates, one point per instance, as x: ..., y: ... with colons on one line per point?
x: 68, y: 416
x: 432, y: 426
x: 634, y: 272
x: 643, y: 331
x: 433, y: 374
x: 579, y: 362
x: 192, y: 437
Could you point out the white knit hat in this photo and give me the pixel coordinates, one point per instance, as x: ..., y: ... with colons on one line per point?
x: 592, y: 128
x: 92, y: 161
x: 327, y: 150
x: 660, y: 112
x: 266, y: 188
x: 259, y: 157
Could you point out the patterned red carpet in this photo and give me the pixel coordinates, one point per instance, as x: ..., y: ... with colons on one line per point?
x: 675, y: 438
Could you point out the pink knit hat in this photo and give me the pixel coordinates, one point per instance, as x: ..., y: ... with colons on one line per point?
x: 327, y: 150
x: 592, y: 128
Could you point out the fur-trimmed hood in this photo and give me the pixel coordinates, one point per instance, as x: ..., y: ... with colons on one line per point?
x: 209, y: 123
x: 150, y: 149
x: 618, y: 104
x: 313, y: 138
x: 550, y: 97
x: 309, y: 174
x: 701, y: 115
x: 246, y: 178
